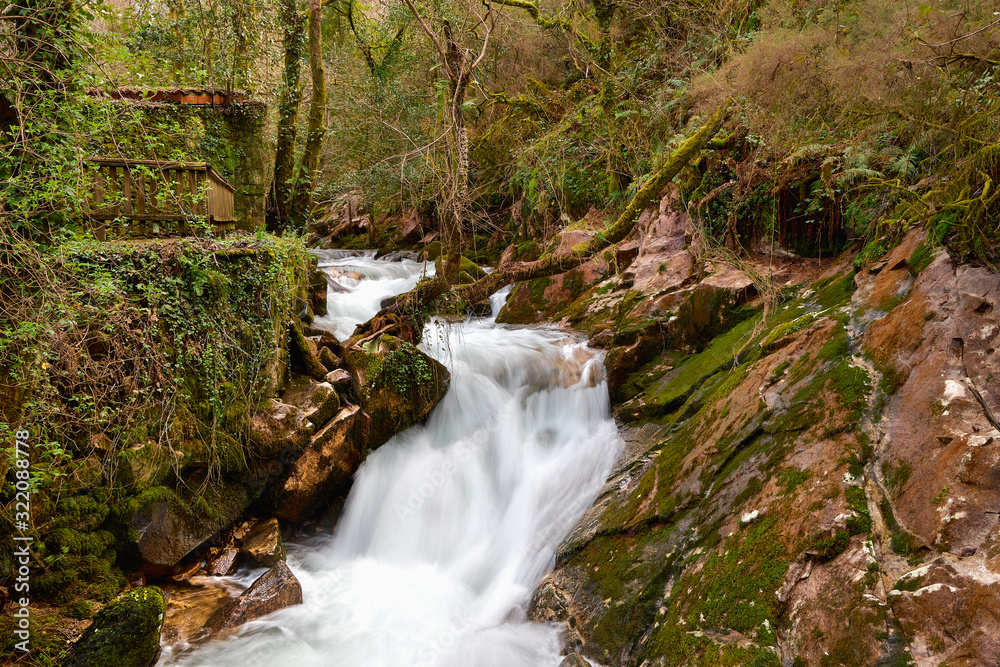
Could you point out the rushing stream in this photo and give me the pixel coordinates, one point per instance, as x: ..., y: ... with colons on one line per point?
x: 449, y: 526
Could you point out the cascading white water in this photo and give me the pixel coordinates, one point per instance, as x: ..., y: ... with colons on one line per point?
x: 364, y: 283
x: 450, y: 525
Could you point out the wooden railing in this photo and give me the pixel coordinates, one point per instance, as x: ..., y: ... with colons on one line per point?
x: 160, y: 197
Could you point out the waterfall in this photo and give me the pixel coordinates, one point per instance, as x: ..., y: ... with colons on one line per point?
x: 450, y: 525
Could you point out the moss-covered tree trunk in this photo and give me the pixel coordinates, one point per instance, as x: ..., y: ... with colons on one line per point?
x: 283, y: 187
x: 408, y: 307
x: 315, y: 130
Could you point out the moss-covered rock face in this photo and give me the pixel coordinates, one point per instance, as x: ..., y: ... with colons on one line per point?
x: 805, y: 489
x: 397, y: 386
x: 126, y: 633
x: 162, y: 353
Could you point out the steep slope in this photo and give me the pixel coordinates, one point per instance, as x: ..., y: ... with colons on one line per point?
x: 806, y: 488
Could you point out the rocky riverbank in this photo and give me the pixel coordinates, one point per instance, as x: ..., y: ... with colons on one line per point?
x: 808, y: 478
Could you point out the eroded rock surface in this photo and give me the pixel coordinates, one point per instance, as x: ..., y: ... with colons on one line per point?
x: 323, y: 468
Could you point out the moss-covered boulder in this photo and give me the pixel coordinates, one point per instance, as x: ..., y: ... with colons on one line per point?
x: 169, y: 525
x: 280, y: 428
x: 126, y: 633
x: 303, y: 354
x: 396, y: 384
x: 543, y: 298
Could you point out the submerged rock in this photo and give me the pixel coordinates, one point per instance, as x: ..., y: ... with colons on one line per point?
x: 126, y: 633
x: 275, y: 589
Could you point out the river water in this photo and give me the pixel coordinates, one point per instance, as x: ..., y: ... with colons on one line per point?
x: 450, y: 525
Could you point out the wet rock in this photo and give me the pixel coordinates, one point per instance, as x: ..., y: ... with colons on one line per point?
x: 543, y: 298
x: 189, y: 606
x: 708, y: 309
x: 399, y: 256
x: 324, y: 467
x: 574, y: 660
x: 126, y: 632
x: 947, y: 609
x: 411, y: 229
x: 397, y: 386
x: 468, y: 272
x: 329, y: 360
x: 275, y: 589
x: 317, y: 291
x: 170, y: 529
x: 339, y: 378
x: 184, y: 571
x: 626, y: 253
x: 221, y: 562
x: 262, y: 544
x: 318, y: 401
x: 280, y: 428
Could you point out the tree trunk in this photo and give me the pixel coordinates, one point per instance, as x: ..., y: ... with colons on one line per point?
x: 315, y: 131
x: 288, y: 109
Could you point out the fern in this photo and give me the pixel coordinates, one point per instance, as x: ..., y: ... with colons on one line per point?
x: 855, y: 173
x: 806, y: 151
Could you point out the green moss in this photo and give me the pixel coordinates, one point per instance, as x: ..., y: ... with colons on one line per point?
x: 896, y: 475
x: 791, y: 478
x: 835, y: 291
x: 126, y: 633
x: 828, y: 548
x: 860, y: 522
x: 733, y: 590
x: 670, y: 391
x: 920, y: 258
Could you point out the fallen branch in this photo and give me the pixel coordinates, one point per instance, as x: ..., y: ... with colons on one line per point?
x: 412, y: 305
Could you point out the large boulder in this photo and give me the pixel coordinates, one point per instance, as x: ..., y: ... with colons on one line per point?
x: 275, y: 589
x: 171, y: 526
x: 317, y: 291
x: 396, y: 384
x: 126, y: 633
x: 324, y: 468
